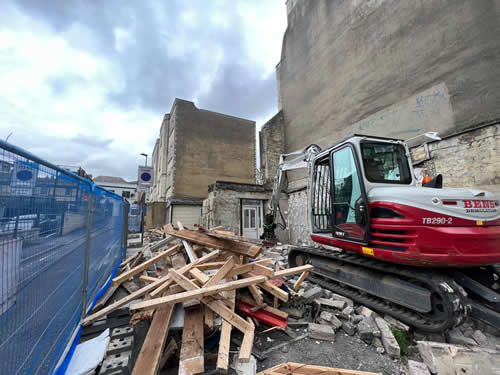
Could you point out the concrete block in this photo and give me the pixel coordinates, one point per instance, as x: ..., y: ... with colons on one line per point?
x: 357, y: 318
x: 245, y: 368
x: 117, y: 362
x: 117, y: 333
x: 379, y: 346
x: 349, y: 328
x: 331, y: 303
x: 311, y: 294
x: 456, y: 337
x: 292, y: 312
x: 321, y: 332
x: 417, y: 368
x: 390, y: 344
x: 122, y: 344
x: 365, y: 311
x: 338, y: 297
x: 480, y: 337
x: 330, y: 318
x: 365, y: 330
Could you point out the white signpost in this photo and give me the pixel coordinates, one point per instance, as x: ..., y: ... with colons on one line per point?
x: 145, y: 178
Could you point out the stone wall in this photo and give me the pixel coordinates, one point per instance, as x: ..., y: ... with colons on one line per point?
x: 298, y: 218
x: 156, y: 215
x: 388, y: 68
x: 272, y: 145
x: 223, y: 204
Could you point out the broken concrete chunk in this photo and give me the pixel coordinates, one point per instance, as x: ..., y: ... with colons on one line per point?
x: 349, y: 328
x: 377, y: 343
x: 417, y: 368
x: 391, y: 346
x: 245, y: 368
x: 321, y: 332
x: 456, y: 337
x: 328, y: 317
x: 396, y: 324
x: 292, y: 312
x: 357, y: 318
x: 365, y: 330
x: 365, y: 311
x: 338, y: 297
x: 480, y: 338
x: 312, y: 294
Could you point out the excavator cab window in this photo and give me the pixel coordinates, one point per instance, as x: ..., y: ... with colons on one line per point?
x: 385, y: 163
x: 348, y: 196
x: 321, y: 198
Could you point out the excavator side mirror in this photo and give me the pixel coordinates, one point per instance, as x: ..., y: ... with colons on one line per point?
x: 436, y: 182
x: 361, y: 213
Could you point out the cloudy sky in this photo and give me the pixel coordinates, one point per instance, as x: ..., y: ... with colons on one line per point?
x: 86, y: 82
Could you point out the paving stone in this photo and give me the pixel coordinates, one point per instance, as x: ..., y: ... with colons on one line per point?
x: 391, y: 346
x: 117, y: 333
x: 480, y: 337
x: 122, y: 344
x: 417, y: 368
x: 117, y: 362
x: 396, y: 324
x: 456, y: 337
x: 321, y: 332
x: 349, y: 328
x: 311, y: 294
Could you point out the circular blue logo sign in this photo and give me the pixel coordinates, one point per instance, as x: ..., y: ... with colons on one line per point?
x: 24, y: 175
x: 146, y: 176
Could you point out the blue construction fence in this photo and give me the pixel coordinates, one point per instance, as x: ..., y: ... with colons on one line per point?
x: 61, y: 239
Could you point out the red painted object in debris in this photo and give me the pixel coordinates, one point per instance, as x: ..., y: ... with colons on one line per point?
x: 261, y: 315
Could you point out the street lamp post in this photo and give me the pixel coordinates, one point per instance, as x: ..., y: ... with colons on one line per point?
x: 146, y: 156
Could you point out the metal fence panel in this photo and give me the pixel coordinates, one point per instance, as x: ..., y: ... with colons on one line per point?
x: 44, y: 217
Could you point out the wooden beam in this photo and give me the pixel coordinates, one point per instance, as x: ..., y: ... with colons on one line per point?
x: 224, y: 244
x: 275, y: 291
x: 261, y: 270
x: 292, y: 368
x: 269, y: 309
x: 189, y: 250
x: 245, y: 268
x: 148, y: 279
x: 169, y: 352
x: 167, y: 283
x: 200, y: 276
x: 217, y: 306
x: 102, y: 301
x: 256, y: 294
x: 145, y: 265
x: 148, y: 360
x: 192, y: 355
x: 198, y: 293
x: 210, y: 266
x: 221, y: 273
x: 247, y: 343
x: 231, y: 236
x: 293, y: 271
x: 225, y: 337
x: 301, y: 279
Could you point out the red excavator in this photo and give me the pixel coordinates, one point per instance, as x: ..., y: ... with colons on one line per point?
x: 396, y: 245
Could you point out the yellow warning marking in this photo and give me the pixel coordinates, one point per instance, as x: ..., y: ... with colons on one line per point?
x: 479, y: 223
x: 368, y: 251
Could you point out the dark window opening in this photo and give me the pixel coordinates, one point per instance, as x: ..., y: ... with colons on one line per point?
x: 385, y: 163
x: 321, y: 199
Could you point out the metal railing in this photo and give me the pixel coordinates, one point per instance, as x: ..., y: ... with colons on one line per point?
x: 61, y: 239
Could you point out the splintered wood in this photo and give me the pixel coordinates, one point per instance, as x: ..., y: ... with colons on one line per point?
x: 291, y: 368
x: 209, y: 269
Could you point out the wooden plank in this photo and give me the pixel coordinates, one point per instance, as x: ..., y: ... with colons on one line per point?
x: 247, y: 343
x: 291, y: 368
x: 225, y: 337
x: 192, y: 356
x: 217, y: 306
x: 261, y: 270
x: 169, y: 352
x: 148, y: 360
x: 301, y: 279
x: 231, y: 236
x: 145, y: 265
x: 256, y: 294
x: 293, y: 271
x: 209, y: 318
x: 189, y: 250
x: 198, y: 293
x: 148, y: 279
x: 270, y: 309
x: 167, y: 283
x: 131, y: 259
x: 102, y: 301
x: 238, y: 247
x: 275, y: 291
x: 221, y: 273
x: 130, y: 286
x: 210, y: 266
x: 245, y: 268
x: 149, y: 357
x: 200, y: 276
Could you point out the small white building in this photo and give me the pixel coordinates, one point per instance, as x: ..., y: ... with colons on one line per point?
x: 118, y: 186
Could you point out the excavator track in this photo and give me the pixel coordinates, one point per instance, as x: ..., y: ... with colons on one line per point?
x: 448, y: 305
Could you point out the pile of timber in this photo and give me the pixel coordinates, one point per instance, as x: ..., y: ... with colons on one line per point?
x: 292, y: 368
x: 208, y: 272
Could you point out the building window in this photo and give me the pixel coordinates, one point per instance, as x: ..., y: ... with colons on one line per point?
x: 126, y: 194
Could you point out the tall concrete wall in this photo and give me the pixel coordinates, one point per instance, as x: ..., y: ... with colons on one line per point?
x: 388, y: 67
x: 272, y: 145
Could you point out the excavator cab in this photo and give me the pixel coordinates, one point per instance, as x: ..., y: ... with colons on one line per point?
x: 342, y: 175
